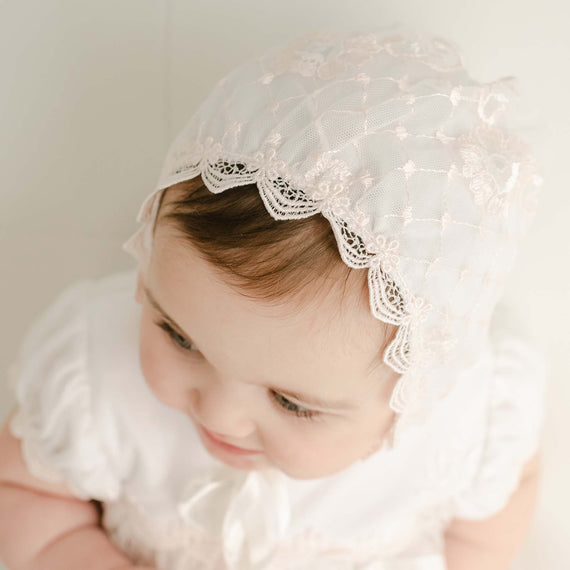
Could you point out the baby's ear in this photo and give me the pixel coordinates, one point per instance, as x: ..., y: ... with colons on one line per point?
x: 139, y: 290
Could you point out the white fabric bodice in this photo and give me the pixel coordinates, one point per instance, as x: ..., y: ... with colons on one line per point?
x: 87, y: 418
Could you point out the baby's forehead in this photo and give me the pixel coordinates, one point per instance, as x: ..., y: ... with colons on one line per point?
x: 329, y: 319
x: 346, y: 287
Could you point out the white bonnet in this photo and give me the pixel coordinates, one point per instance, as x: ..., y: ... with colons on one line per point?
x: 412, y: 161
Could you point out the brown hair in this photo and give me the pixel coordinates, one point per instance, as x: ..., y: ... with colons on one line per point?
x: 273, y: 260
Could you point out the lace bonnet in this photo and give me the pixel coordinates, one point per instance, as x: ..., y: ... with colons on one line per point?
x: 410, y: 159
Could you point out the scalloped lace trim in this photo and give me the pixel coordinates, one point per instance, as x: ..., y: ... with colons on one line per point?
x: 390, y: 300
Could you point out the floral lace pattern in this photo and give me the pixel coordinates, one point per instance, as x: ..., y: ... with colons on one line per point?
x: 496, y: 164
x: 311, y: 56
x: 387, y: 136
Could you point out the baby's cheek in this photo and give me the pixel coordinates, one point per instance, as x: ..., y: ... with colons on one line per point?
x: 304, y: 455
x: 150, y: 368
x: 328, y: 451
x: 149, y: 353
x: 156, y: 369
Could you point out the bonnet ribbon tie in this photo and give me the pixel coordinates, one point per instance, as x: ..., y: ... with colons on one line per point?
x: 248, y: 511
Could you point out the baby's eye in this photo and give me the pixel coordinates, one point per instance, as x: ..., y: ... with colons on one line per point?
x: 177, y: 338
x: 293, y: 408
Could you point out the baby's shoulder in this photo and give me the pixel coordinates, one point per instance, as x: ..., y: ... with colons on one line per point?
x: 77, y: 320
x: 493, y: 422
x: 62, y: 384
x: 99, y: 317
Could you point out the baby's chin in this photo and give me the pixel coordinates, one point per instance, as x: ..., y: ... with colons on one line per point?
x: 257, y: 463
x: 261, y: 463
x: 318, y: 470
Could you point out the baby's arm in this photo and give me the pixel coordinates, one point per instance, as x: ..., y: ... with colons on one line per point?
x: 493, y: 543
x: 43, y: 526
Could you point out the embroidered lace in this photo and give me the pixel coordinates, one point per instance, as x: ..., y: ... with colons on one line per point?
x: 411, y: 160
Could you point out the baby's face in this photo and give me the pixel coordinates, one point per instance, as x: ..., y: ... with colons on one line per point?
x: 305, y: 388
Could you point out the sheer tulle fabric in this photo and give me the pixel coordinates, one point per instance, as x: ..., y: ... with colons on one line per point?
x: 411, y: 160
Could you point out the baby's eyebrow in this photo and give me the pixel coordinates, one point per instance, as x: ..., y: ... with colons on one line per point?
x: 312, y: 401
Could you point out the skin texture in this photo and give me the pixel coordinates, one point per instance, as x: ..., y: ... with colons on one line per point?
x: 245, y: 349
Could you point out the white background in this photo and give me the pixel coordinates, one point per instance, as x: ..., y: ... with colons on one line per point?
x: 91, y: 94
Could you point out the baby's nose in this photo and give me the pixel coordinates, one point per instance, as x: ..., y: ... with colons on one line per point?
x: 223, y: 411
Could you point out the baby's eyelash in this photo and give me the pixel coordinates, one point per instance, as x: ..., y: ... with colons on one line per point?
x: 283, y: 403
x: 290, y: 407
x: 176, y: 338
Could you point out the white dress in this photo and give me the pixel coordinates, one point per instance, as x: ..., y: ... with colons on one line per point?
x: 88, y: 419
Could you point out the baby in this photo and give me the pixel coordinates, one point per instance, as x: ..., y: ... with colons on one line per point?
x: 311, y: 366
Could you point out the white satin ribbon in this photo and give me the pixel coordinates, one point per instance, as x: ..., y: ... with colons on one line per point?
x: 250, y: 511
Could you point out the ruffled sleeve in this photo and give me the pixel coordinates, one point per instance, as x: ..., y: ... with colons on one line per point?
x: 513, y: 422
x: 53, y: 391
